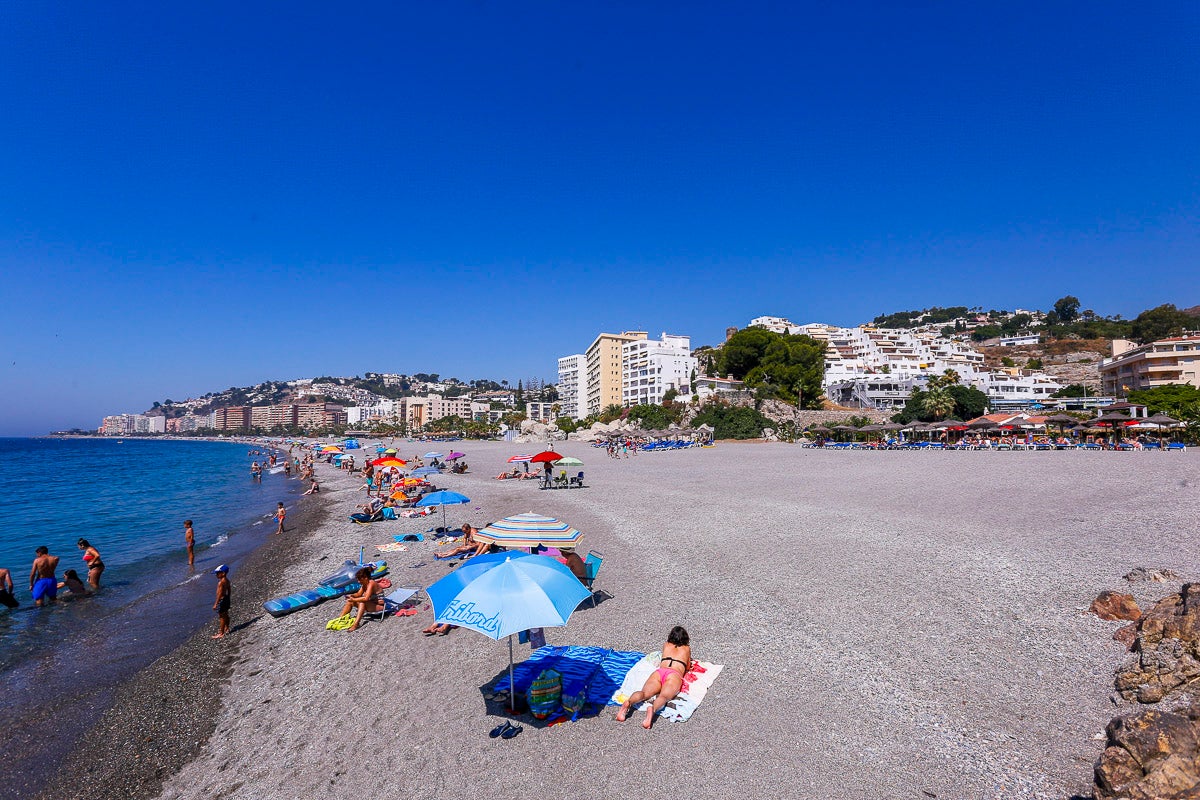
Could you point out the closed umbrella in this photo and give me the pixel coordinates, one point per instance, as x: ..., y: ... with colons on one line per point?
x: 530, y: 530
x: 443, y: 499
x: 500, y: 594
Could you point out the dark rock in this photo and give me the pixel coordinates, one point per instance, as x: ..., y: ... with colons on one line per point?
x: 1151, y: 755
x: 1166, y: 648
x: 1114, y: 605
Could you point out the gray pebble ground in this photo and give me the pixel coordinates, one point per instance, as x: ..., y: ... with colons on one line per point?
x: 892, y: 624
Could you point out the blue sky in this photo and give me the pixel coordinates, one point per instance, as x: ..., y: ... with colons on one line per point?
x: 196, y: 196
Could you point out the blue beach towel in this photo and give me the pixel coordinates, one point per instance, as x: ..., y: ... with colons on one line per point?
x: 592, y: 674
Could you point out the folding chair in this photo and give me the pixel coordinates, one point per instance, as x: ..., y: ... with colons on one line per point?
x: 592, y: 564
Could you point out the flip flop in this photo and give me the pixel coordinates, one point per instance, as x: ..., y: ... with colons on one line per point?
x: 512, y: 731
x: 500, y: 729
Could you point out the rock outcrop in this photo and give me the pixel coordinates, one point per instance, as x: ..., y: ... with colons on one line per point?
x: 1166, y: 648
x: 1157, y: 575
x: 1114, y: 605
x: 1151, y: 755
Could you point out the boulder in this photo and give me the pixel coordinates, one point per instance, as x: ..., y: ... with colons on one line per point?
x: 1166, y: 648
x: 1114, y: 605
x: 1151, y: 755
x: 1157, y: 575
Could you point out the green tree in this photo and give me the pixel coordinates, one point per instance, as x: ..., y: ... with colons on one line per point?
x: 732, y: 422
x: 1073, y: 390
x: 939, y: 403
x: 1067, y: 309
x: 566, y: 424
x: 969, y: 402
x: 611, y: 413
x: 1161, y: 322
x: 1033, y: 363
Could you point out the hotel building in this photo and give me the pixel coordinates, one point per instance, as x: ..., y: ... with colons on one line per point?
x: 572, y: 386
x: 649, y: 367
x: 603, y: 381
x: 1134, y: 367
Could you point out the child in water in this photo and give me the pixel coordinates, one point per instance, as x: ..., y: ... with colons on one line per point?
x: 73, y: 584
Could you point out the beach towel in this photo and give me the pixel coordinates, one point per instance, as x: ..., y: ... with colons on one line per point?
x: 340, y: 624
x: 695, y: 686
x: 590, y: 675
x: 390, y: 547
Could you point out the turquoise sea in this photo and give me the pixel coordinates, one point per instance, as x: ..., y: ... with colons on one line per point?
x: 129, y: 499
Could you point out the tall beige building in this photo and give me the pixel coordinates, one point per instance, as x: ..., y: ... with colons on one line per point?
x: 1133, y: 367
x: 604, y: 369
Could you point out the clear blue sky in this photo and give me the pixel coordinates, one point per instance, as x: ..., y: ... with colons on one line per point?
x: 194, y: 196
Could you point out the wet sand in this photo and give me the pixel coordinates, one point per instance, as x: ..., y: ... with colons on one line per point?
x: 892, y: 625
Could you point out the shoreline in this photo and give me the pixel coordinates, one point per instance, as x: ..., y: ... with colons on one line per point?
x: 162, y: 716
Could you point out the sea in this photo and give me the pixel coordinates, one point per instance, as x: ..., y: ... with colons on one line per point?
x: 129, y: 498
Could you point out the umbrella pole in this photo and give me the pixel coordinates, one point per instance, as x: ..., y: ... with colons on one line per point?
x: 512, y: 687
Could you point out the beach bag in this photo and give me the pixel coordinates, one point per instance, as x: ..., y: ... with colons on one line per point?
x: 545, y: 694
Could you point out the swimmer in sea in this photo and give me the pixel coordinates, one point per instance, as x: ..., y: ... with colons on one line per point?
x: 41, y: 577
x: 72, y: 584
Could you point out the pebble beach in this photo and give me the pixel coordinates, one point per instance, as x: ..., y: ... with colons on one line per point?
x: 892, y: 624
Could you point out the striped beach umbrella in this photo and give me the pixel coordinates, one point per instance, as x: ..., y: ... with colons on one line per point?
x: 530, y: 530
x: 523, y: 457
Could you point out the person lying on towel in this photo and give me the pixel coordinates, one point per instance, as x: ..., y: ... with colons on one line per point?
x: 666, y: 681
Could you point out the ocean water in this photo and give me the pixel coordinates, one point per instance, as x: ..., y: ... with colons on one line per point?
x: 129, y: 499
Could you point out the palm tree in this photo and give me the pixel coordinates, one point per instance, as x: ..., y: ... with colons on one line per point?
x: 938, y: 403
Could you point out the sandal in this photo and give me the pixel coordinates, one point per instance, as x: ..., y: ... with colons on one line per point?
x: 500, y: 729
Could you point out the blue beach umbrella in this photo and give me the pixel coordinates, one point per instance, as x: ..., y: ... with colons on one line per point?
x: 423, y: 471
x: 443, y: 499
x: 432, y: 455
x: 499, y: 594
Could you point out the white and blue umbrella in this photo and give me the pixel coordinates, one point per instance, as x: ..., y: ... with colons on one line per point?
x: 423, y: 471
x: 443, y: 499
x: 432, y: 455
x: 499, y: 594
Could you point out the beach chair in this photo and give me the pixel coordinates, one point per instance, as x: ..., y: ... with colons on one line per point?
x: 560, y: 480
x: 592, y: 565
x: 576, y: 481
x: 398, y: 599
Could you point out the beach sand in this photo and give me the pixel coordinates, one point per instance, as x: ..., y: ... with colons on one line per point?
x: 892, y: 624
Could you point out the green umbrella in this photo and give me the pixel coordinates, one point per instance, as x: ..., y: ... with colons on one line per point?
x: 569, y: 461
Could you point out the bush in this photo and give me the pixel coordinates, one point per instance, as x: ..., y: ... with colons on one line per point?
x: 732, y: 422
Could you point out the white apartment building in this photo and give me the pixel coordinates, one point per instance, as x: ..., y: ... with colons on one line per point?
x: 854, y: 353
x: 572, y: 386
x: 379, y: 412
x: 776, y: 324
x: 649, y: 367
x: 539, y: 411
x: 1014, y: 388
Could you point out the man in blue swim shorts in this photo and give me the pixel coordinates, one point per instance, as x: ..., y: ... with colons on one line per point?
x: 42, y: 582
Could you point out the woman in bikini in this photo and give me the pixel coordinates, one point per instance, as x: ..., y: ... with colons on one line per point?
x: 91, y: 557
x: 368, y: 599
x: 666, y: 681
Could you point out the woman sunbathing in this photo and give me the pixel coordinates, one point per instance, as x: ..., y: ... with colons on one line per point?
x: 666, y: 681
x: 367, y: 599
x: 469, y: 545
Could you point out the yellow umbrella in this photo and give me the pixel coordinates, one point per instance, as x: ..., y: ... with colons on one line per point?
x: 329, y: 448
x: 399, y: 495
x: 389, y: 462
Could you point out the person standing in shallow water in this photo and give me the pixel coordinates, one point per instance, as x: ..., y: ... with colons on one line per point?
x: 189, y: 536
x: 280, y: 514
x: 91, y: 557
x: 42, y: 582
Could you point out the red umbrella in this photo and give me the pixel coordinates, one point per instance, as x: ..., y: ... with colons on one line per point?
x: 544, y: 456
